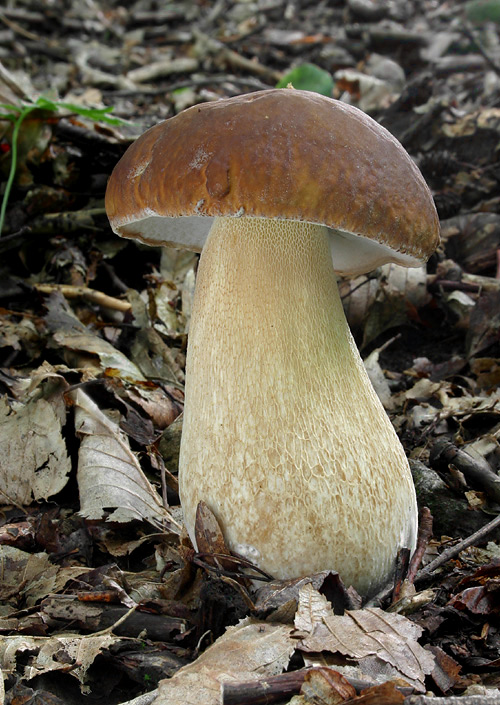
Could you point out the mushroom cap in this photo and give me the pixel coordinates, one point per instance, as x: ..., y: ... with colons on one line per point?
x: 282, y: 154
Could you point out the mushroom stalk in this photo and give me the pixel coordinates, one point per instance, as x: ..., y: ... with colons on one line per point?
x: 283, y: 435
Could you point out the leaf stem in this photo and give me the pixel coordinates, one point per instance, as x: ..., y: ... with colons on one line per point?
x: 13, y: 164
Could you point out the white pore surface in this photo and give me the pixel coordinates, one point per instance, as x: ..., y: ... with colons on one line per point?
x: 351, y: 254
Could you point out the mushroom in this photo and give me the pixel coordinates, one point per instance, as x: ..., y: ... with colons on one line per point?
x: 283, y: 435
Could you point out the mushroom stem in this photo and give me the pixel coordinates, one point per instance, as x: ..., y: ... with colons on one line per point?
x: 283, y: 435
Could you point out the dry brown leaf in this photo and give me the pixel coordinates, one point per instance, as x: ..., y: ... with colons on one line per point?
x: 325, y: 686
x: 383, y: 644
x: 248, y: 651
x: 371, y: 300
x: 109, y: 474
x: 72, y: 335
x: 31, y: 576
x: 70, y: 653
x: 209, y: 537
x: 383, y: 694
x: 34, y: 463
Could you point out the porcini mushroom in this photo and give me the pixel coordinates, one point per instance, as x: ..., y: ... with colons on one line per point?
x: 283, y: 436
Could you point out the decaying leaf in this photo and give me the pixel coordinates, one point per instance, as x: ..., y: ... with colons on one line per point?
x: 71, y: 653
x: 34, y: 463
x: 73, y: 336
x: 383, y: 299
x: 324, y: 686
x: 484, y: 323
x: 209, y: 537
x: 29, y: 575
x: 248, y: 651
x: 384, y: 645
x: 400, y: 294
x: 109, y: 474
x: 383, y: 694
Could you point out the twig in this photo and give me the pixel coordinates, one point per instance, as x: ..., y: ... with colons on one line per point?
x: 15, y: 27
x: 160, y: 69
x: 73, y: 292
x: 453, y: 551
x: 424, y: 536
x: 469, y: 33
x: 477, y: 470
x: 195, y: 82
x: 281, y: 687
x: 208, y: 46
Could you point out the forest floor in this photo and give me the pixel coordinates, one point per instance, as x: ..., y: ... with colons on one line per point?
x: 102, y: 597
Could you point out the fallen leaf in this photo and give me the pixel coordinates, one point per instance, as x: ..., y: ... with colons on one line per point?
x: 71, y: 334
x: 325, y: 686
x: 248, y: 651
x: 71, y: 653
x: 383, y: 694
x: 109, y: 474
x: 382, y: 643
x: 34, y: 463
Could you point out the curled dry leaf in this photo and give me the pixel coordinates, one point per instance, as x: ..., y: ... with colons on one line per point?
x: 78, y: 341
x: 72, y: 653
x: 29, y: 577
x: 481, y: 599
x: 109, y: 474
x: 484, y: 329
x: 384, y: 645
x: 383, y: 694
x: 400, y: 294
x: 325, y: 686
x: 209, y: 537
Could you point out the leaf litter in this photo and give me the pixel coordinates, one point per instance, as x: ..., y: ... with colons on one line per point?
x: 93, y: 335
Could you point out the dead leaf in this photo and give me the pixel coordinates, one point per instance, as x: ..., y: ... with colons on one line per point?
x: 210, y: 539
x: 445, y: 673
x: 382, y: 643
x: 26, y: 575
x: 383, y: 694
x: 71, y: 334
x: 482, y: 599
x: 109, y: 474
x: 325, y: 686
x: 484, y: 328
x: 248, y: 651
x: 34, y: 463
x: 71, y: 653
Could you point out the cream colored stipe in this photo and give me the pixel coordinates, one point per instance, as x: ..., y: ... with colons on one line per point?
x: 283, y: 435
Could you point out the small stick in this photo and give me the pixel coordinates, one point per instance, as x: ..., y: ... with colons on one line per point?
x: 424, y: 536
x: 453, y: 551
x: 477, y: 470
x: 277, y: 688
x: 73, y: 292
x: 402, y: 563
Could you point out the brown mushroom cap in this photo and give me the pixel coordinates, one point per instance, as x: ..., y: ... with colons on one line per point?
x: 280, y: 154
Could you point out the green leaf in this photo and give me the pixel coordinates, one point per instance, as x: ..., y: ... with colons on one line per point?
x: 308, y: 77
x: 17, y: 113
x: 46, y: 104
x: 96, y: 114
x: 481, y: 11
